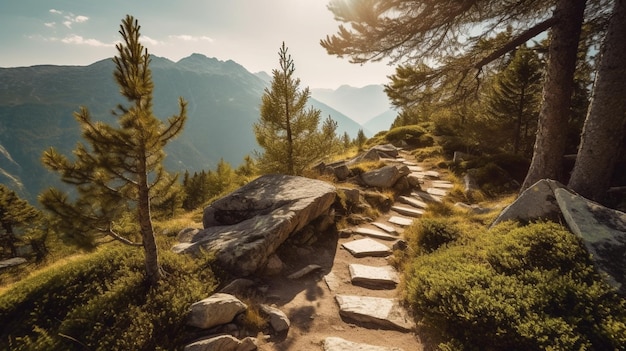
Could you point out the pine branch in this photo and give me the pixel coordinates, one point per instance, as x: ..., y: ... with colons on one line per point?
x: 120, y: 238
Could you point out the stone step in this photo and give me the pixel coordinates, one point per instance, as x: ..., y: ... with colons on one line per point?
x: 375, y: 312
x: 408, y: 211
x: 426, y: 196
x: 366, y: 247
x: 403, y: 221
x: 385, y: 227
x: 413, y: 202
x: 437, y: 192
x: 333, y: 343
x: 442, y: 184
x: 432, y: 174
x: 384, y: 277
x: 375, y: 233
x: 410, y: 163
x: 416, y: 169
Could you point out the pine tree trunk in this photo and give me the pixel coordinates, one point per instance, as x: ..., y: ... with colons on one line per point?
x: 557, y: 91
x: 603, y: 130
x: 153, y: 269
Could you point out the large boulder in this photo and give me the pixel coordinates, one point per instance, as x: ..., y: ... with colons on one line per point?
x: 244, y: 228
x: 602, y: 230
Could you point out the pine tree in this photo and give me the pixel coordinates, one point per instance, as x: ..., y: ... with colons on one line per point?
x: 121, y: 169
x: 286, y: 127
x: 14, y: 213
x: 514, y: 100
x: 360, y: 139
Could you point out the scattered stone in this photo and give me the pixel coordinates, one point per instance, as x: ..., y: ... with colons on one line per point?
x: 278, y: 319
x: 374, y: 233
x: 352, y: 195
x: 414, y: 180
x: 413, y: 202
x: 469, y: 180
x: 415, y: 168
x: 274, y: 265
x: 387, y: 228
x: 332, y: 281
x: 12, y: 262
x: 215, y: 310
x: 246, y: 227
x: 384, y: 177
x: 366, y: 247
x: 304, y: 271
x: 403, y: 221
x: 437, y: 192
x: 222, y: 343
x: 338, y: 344
x: 408, y: 211
x: 383, y: 312
x: 373, y: 277
x: 345, y: 233
x: 400, y: 245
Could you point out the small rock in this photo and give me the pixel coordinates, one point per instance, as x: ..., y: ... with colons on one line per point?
x: 274, y: 265
x: 366, y: 247
x: 215, y: 310
x: 278, y: 319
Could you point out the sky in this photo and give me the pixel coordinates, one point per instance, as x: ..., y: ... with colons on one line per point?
x: 249, y: 32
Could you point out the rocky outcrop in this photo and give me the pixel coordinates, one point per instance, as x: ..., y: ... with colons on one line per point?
x: 244, y: 228
x: 602, y: 230
x: 385, y: 177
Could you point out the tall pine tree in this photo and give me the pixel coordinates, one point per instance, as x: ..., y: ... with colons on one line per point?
x: 287, y: 127
x: 121, y: 169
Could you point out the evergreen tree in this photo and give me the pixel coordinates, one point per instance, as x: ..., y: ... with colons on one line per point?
x: 247, y: 168
x: 360, y: 139
x: 121, y: 169
x: 329, y: 142
x: 14, y: 213
x: 286, y: 127
x: 345, y: 140
x: 514, y: 99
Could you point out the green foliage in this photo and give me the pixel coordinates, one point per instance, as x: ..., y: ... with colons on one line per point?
x: 433, y: 233
x: 360, y: 139
x: 15, y: 214
x: 413, y: 135
x: 517, y: 288
x: 101, y: 302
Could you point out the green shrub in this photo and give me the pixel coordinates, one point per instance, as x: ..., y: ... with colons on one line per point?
x: 517, y: 288
x: 101, y: 302
x: 412, y: 135
x: 432, y: 233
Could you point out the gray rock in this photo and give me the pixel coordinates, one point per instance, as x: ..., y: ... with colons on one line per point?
x: 408, y: 211
x: 12, y: 262
x: 387, y: 313
x: 535, y: 203
x: 274, y: 265
x: 215, y: 310
x: 426, y: 196
x: 222, y: 343
x: 186, y: 234
x: 469, y: 180
x: 304, y: 271
x: 339, y: 344
x: 385, y: 227
x: 603, y: 231
x: 383, y: 277
x: 352, y: 195
x: 437, y: 192
x: 413, y: 202
x: 246, y: 227
x: 332, y: 281
x: 366, y: 247
x: 238, y: 286
x: 278, y: 319
x: 403, y: 221
x: 384, y: 177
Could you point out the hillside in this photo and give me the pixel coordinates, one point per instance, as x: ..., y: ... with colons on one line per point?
x: 37, y: 103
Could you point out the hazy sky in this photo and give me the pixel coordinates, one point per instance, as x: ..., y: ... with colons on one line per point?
x: 250, y: 32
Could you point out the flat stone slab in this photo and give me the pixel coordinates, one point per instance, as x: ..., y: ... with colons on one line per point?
x: 432, y: 174
x: 415, y: 168
x: 332, y: 343
x: 366, y: 247
x: 408, y: 211
x: 413, y: 202
x: 375, y: 233
x: 384, y: 277
x: 332, y: 281
x: 437, y: 191
x: 426, y: 196
x: 387, y: 228
x: 382, y: 312
x: 12, y: 262
x: 304, y: 271
x: 442, y: 184
x: 403, y: 221
x: 410, y: 163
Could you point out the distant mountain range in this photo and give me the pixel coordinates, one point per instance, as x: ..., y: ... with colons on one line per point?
x: 37, y: 105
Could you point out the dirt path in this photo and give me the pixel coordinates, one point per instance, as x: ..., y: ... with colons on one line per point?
x: 310, y: 302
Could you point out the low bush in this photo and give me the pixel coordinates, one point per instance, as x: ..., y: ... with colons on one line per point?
x: 516, y: 288
x: 101, y: 302
x: 433, y: 233
x: 413, y: 135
